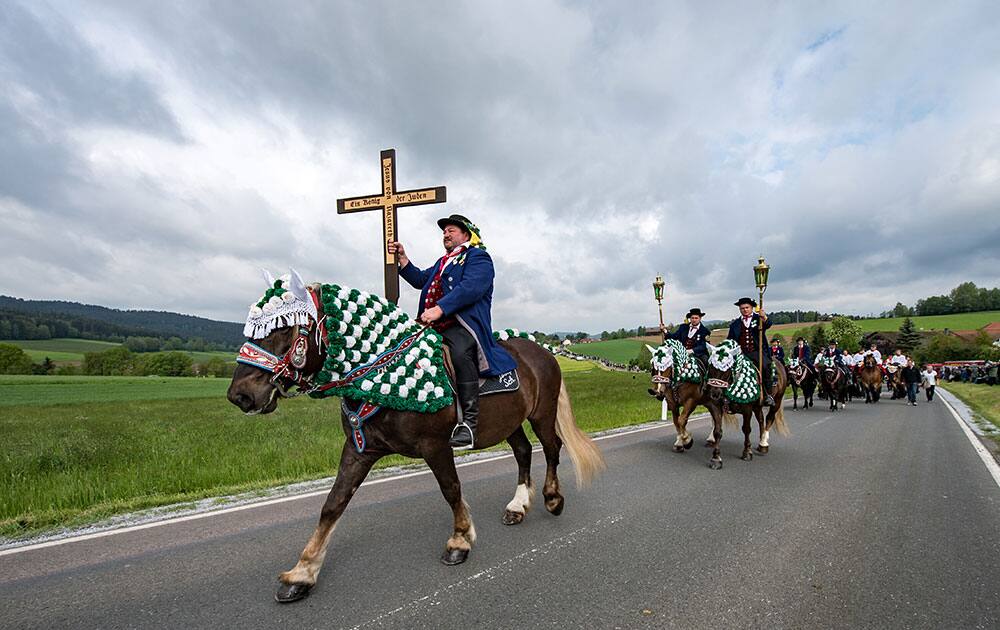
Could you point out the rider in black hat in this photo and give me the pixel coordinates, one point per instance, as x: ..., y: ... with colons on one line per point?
x: 692, y: 334
x: 744, y: 330
x: 455, y: 298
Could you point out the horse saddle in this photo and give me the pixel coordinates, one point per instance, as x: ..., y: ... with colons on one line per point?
x: 499, y: 384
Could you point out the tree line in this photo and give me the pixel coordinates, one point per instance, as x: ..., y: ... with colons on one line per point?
x: 965, y: 298
x: 118, y: 361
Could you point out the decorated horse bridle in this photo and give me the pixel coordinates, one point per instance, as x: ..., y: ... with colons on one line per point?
x: 291, y: 364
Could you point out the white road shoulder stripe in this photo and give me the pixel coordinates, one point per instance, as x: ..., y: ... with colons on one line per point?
x: 985, y: 455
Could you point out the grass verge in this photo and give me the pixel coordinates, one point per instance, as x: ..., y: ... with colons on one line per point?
x: 78, y: 450
x: 984, y: 400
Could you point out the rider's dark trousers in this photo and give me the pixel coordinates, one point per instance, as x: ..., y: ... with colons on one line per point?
x: 464, y: 353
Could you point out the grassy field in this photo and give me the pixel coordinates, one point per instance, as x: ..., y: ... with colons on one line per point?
x: 618, y: 350
x: 71, y: 350
x: 78, y: 449
x: 983, y: 399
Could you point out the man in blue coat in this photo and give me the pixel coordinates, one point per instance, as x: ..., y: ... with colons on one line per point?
x: 455, y: 298
x: 744, y: 330
x: 692, y: 335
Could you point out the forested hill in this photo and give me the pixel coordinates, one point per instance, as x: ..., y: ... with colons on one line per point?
x: 43, y: 319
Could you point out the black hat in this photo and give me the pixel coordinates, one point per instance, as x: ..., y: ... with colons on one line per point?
x: 458, y: 221
x: 695, y: 311
x: 745, y: 300
x: 800, y: 339
x: 833, y: 342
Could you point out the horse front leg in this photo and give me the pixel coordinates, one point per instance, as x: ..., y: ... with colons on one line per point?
x: 715, y: 463
x: 795, y: 397
x: 442, y: 464
x: 747, y: 453
x: 765, y: 432
x: 354, y: 467
x: 684, y: 438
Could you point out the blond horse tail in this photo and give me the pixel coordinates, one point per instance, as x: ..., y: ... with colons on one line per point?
x: 587, y: 458
x: 779, y: 421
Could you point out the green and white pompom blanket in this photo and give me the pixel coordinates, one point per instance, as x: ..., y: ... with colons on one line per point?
x: 673, y: 354
x: 377, y: 353
x: 743, y: 386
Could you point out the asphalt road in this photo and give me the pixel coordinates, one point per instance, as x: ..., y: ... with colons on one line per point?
x: 871, y: 517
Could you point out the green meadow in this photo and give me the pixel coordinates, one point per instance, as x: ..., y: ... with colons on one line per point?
x: 958, y: 321
x: 617, y: 350
x: 78, y: 449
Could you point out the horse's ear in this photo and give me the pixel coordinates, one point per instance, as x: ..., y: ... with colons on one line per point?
x: 268, y: 278
x: 650, y: 348
x: 711, y: 348
x: 298, y: 287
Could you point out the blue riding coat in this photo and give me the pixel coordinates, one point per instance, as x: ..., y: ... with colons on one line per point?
x: 467, y: 286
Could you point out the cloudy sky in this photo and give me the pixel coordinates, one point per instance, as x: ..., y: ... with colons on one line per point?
x: 155, y: 155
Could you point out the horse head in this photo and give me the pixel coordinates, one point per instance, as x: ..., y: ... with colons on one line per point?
x: 721, y: 360
x: 662, y: 368
x: 870, y: 361
x: 283, y: 346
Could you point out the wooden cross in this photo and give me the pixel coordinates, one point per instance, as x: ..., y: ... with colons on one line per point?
x: 387, y: 202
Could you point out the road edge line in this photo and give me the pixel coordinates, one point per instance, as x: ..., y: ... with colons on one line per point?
x: 984, y: 454
x: 304, y: 495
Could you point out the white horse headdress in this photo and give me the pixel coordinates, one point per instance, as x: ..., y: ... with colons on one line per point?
x: 285, y: 303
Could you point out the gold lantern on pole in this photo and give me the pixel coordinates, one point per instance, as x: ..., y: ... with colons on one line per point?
x: 760, y: 271
x: 658, y: 286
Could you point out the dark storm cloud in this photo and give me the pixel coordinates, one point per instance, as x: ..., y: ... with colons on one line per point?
x: 684, y: 139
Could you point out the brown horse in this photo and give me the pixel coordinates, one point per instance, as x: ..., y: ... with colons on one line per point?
x: 894, y: 381
x: 871, y: 379
x: 719, y: 380
x: 801, y: 376
x: 680, y: 398
x: 541, y: 398
x: 834, y: 383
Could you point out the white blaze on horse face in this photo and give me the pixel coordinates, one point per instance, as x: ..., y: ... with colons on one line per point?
x: 521, y: 502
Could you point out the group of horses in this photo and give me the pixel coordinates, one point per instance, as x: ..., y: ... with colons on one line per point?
x: 542, y: 399
x: 837, y: 386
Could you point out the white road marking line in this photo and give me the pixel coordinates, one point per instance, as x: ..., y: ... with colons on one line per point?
x: 985, y: 455
x: 293, y: 497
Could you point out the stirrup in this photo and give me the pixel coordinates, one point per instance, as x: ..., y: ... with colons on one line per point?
x: 462, y: 438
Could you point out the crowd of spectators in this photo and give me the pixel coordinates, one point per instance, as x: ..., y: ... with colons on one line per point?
x: 608, y: 363
x: 980, y: 373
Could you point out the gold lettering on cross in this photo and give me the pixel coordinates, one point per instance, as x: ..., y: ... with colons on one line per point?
x: 387, y: 202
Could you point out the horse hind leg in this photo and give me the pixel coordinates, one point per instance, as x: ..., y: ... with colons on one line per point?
x: 545, y: 429
x: 747, y: 452
x: 525, y: 492
x: 442, y: 464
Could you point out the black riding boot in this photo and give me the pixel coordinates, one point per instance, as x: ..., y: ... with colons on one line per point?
x: 463, y: 437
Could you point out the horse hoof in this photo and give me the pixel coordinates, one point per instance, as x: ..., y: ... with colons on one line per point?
x: 748, y: 456
x: 689, y: 444
x: 555, y: 505
x: 452, y: 557
x: 715, y: 464
x: 288, y: 593
x: 512, y: 518
x: 678, y: 448
x: 762, y: 450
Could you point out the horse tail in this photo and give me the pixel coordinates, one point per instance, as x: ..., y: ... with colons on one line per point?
x: 733, y: 420
x: 779, y: 420
x: 587, y: 458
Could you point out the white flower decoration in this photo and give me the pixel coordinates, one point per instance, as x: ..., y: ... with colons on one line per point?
x: 503, y: 335
x: 404, y: 391
x: 349, y: 342
x: 432, y: 370
x: 288, y: 297
x: 275, y: 301
x: 424, y: 363
x: 268, y: 308
x: 428, y: 386
x: 411, y: 382
x: 366, y: 386
x: 422, y: 395
x: 438, y: 392
x: 366, y: 346
x: 256, y: 311
x: 394, y: 378
x: 385, y: 389
x: 418, y: 374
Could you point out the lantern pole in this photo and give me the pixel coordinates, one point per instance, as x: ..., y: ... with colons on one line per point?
x: 760, y: 272
x: 658, y: 285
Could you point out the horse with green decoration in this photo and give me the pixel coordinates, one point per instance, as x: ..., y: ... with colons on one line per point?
x: 391, y: 376
x: 678, y: 383
x: 734, y: 387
